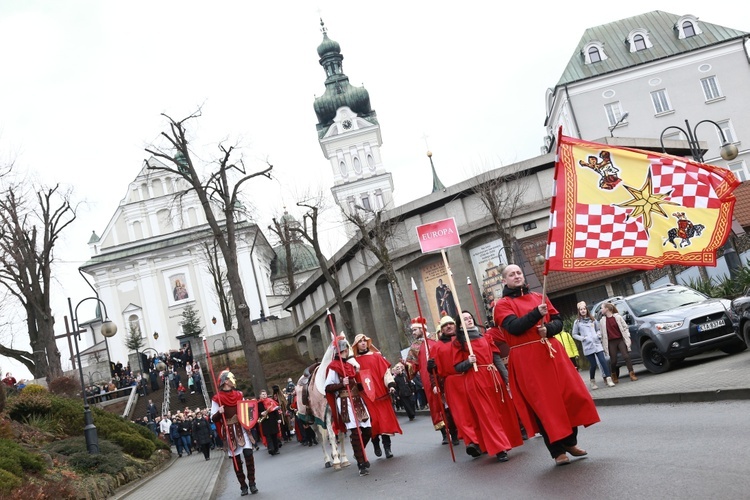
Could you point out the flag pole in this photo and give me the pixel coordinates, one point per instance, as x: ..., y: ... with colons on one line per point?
x: 427, y: 357
x: 218, y: 401
x: 458, y: 305
x: 348, y: 389
x: 473, y: 298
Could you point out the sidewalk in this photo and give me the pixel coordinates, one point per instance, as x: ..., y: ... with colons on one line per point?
x: 713, y: 376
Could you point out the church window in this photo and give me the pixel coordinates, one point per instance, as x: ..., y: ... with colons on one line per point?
x: 357, y: 165
x: 137, y: 230
x: 366, y: 202
x: 371, y: 162
x: 379, y: 199
x: 342, y: 168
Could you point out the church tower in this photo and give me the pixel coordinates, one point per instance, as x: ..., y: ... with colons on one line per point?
x: 349, y: 135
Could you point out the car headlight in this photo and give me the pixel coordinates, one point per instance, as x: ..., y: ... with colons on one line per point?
x: 668, y: 326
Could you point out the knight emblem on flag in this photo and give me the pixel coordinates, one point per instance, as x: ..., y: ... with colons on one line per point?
x: 247, y: 413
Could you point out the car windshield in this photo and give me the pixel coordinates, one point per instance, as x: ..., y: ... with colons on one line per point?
x: 664, y: 300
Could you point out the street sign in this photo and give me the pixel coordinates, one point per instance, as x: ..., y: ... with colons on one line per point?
x: 438, y: 235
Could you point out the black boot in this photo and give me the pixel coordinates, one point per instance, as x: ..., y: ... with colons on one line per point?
x: 253, y: 489
x: 376, y: 446
x: 445, y: 435
x: 387, y: 446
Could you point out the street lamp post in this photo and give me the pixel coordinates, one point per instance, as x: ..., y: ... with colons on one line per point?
x: 728, y: 152
x: 108, y: 329
x: 613, y: 127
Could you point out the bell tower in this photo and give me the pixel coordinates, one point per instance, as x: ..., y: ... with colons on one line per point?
x: 349, y: 135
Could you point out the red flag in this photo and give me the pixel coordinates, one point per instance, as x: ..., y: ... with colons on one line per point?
x: 617, y: 207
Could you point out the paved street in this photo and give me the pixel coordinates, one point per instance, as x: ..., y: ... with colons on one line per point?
x: 694, y: 450
x: 680, y: 434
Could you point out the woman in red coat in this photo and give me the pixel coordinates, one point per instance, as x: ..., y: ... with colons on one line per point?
x: 548, y: 392
x: 377, y: 383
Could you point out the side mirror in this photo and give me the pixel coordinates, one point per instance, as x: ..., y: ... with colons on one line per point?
x: 628, y: 318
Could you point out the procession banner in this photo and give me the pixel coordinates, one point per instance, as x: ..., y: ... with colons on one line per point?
x: 438, y: 235
x: 616, y: 207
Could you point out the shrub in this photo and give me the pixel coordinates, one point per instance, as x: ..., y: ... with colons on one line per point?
x: 16, y: 461
x: 27, y: 404
x: 110, y: 459
x: 34, y: 389
x: 8, y: 482
x: 44, y: 423
x: 134, y: 445
x: 65, y: 386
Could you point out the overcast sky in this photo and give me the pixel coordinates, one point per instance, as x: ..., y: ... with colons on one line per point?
x: 84, y: 82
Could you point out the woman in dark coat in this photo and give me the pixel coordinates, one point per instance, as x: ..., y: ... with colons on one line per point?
x: 202, y: 434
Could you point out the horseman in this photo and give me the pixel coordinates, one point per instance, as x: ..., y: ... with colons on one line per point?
x: 351, y: 408
x: 684, y: 225
x: 236, y: 440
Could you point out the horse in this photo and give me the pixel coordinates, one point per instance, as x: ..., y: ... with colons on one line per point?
x: 692, y: 231
x: 318, y: 414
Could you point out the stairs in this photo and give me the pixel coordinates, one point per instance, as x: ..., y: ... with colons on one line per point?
x: 192, y: 401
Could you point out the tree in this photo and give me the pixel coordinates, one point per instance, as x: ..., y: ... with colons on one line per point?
x: 219, y: 190
x: 134, y: 342
x: 309, y: 232
x: 283, y: 231
x: 30, y: 226
x: 191, y: 322
x: 501, y: 197
x: 215, y: 267
x: 376, y: 235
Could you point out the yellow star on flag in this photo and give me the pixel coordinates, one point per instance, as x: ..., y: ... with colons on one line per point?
x: 645, y: 201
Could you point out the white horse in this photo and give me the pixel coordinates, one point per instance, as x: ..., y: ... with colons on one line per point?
x: 318, y: 414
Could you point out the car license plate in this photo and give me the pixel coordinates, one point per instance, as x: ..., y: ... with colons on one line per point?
x: 711, y: 325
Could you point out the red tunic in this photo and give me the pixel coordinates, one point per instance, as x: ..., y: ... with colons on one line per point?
x: 384, y: 420
x: 492, y: 421
x: 417, y: 362
x: 453, y: 384
x: 543, y: 386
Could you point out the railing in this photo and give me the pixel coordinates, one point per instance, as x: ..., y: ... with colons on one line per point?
x: 131, y: 402
x: 108, y: 396
x: 167, y: 387
x: 204, y: 389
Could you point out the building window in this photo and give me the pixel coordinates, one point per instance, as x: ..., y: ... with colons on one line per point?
x: 687, y: 26
x: 661, y: 101
x: 528, y: 226
x: 710, y: 88
x: 593, y: 52
x: 726, y: 127
x: 379, y: 199
x: 639, y: 42
x: 614, y: 112
x: 739, y: 170
x: 688, y: 29
x: 366, y: 202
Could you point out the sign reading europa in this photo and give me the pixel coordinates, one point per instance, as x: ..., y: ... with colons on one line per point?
x: 438, y: 235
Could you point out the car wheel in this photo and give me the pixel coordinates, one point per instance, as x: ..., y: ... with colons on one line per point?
x: 653, y: 360
x: 735, y: 347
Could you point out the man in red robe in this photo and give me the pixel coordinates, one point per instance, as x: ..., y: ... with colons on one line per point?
x: 548, y: 393
x: 416, y: 362
x: 378, y: 384
x: 268, y: 409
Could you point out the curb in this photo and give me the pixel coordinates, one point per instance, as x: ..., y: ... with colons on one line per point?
x: 679, y: 397
x: 130, y: 488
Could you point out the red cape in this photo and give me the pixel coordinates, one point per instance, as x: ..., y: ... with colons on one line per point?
x: 383, y: 417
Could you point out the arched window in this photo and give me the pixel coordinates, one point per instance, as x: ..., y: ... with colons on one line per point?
x: 594, y: 55
x: 688, y: 29
x: 639, y: 42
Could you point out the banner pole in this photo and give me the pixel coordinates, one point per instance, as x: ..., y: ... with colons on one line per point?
x: 458, y: 305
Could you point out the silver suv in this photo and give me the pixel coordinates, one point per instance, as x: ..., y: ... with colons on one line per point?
x: 670, y: 323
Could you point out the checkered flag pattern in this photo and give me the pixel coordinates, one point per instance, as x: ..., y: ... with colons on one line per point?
x: 603, y: 231
x: 690, y: 185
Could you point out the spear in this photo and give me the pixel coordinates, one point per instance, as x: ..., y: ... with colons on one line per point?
x: 427, y: 357
x: 218, y: 400
x: 474, y: 298
x: 348, y: 389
